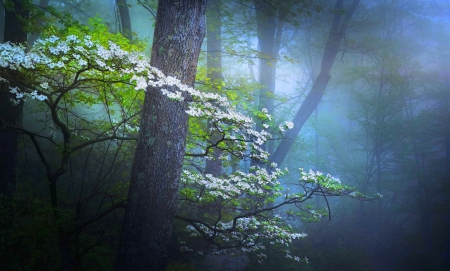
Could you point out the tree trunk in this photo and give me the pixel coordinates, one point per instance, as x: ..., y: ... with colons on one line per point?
x: 152, y: 196
x: 10, y: 114
x: 214, y: 70
x: 125, y: 22
x: 313, y: 98
x: 2, y: 22
x: 269, y: 38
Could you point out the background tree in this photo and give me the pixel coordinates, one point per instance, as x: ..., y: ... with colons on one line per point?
x: 125, y: 22
x: 14, y: 31
x: 332, y: 47
x: 381, y: 128
x: 214, y: 72
x: 62, y: 131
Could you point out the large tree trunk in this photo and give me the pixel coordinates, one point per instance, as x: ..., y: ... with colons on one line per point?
x: 152, y: 197
x: 313, y: 98
x: 10, y: 114
x: 214, y: 70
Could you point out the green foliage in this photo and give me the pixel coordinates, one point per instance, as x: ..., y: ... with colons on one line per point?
x: 81, y: 107
x: 379, y: 114
x: 99, y: 89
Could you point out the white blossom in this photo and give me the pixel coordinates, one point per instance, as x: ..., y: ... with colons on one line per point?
x: 44, y: 85
x: 289, y: 124
x: 72, y: 54
x: 34, y: 95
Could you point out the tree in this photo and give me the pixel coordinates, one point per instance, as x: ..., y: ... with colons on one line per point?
x: 17, y: 21
x: 214, y: 72
x: 272, y: 22
x: 152, y: 198
x: 77, y: 69
x: 43, y: 4
x: 15, y: 15
x: 269, y: 31
x: 125, y: 22
x: 62, y: 83
x: 394, y: 144
x: 332, y: 46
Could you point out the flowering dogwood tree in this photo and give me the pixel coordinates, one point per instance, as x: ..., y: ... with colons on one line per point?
x: 76, y: 70
x: 77, y: 105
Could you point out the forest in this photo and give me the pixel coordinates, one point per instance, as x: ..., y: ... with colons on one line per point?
x: 224, y: 135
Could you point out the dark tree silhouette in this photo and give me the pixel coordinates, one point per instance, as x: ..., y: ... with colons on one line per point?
x: 337, y: 32
x: 10, y: 114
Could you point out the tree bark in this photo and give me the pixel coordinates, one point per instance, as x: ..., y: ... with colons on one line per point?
x: 337, y: 32
x: 125, y: 21
x: 152, y: 197
x: 10, y: 114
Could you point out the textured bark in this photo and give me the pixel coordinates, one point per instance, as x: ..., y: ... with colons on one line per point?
x: 314, y: 96
x: 10, y: 114
x: 152, y: 197
x: 125, y: 22
x: 214, y: 70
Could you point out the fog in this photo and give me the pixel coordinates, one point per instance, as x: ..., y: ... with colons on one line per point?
x: 369, y: 92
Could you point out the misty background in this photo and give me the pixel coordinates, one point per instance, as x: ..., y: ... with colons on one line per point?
x: 382, y: 126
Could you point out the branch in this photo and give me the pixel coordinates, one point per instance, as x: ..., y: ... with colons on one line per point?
x: 36, y: 145
x: 147, y: 8
x: 113, y: 137
x: 78, y: 228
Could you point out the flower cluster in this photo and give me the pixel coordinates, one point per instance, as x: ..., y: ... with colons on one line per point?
x: 244, y: 202
x: 286, y: 125
x: 259, y: 183
x: 79, y: 61
x: 317, y: 182
x: 251, y: 233
x: 21, y: 96
x: 239, y: 205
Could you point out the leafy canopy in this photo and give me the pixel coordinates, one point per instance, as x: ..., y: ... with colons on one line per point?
x: 75, y: 70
